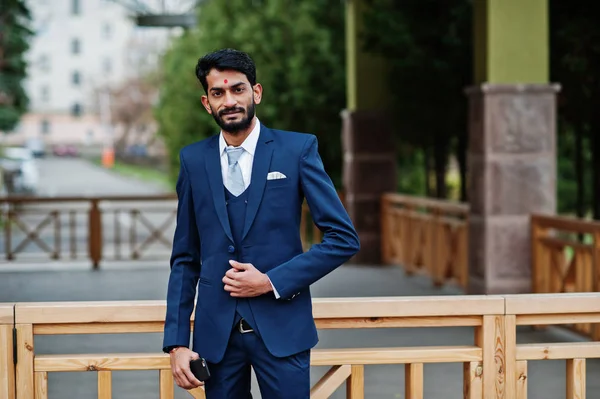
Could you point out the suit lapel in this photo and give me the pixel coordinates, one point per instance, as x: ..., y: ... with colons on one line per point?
x: 260, y: 169
x: 215, y: 179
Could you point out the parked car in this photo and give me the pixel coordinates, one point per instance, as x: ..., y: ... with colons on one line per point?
x: 20, y: 170
x: 37, y: 147
x: 65, y: 150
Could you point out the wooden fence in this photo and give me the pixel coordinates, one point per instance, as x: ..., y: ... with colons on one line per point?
x: 110, y: 228
x: 426, y: 235
x: 566, y: 258
x: 494, y: 365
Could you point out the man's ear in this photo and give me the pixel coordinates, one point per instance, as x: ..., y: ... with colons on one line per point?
x: 204, y: 100
x: 257, y: 93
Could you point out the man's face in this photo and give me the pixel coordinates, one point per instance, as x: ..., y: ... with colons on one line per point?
x: 231, y: 100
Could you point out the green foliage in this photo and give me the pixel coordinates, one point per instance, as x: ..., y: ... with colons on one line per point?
x: 14, y: 42
x: 299, y: 51
x: 430, y: 58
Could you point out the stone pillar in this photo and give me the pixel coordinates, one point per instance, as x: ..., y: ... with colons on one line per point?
x: 367, y: 140
x: 512, y: 173
x: 369, y: 171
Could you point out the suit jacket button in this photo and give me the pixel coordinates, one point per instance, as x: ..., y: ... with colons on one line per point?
x: 231, y: 249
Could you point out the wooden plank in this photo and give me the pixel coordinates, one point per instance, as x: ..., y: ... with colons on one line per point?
x: 579, y: 302
x: 41, y: 385
x: 443, y: 205
x: 166, y: 385
x: 521, y: 389
x: 320, y: 357
x: 443, y: 306
x: 24, y: 369
x: 90, y: 312
x: 472, y: 380
x: 424, y: 354
x: 330, y: 382
x: 197, y: 393
x: 104, y: 385
x: 355, y: 384
x: 576, y: 379
x: 566, y: 223
x: 566, y: 318
x: 6, y: 313
x: 490, y: 337
x: 413, y: 381
x: 7, y: 370
x: 399, y: 322
x: 510, y: 357
x: 560, y: 244
x: 99, y: 328
x: 102, y: 362
x: 567, y: 350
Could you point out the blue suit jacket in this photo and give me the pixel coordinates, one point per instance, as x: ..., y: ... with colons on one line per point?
x: 271, y: 242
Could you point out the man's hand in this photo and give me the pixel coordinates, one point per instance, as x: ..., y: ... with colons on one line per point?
x: 243, y: 280
x: 180, y: 367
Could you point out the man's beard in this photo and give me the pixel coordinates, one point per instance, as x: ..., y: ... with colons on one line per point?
x: 235, y: 127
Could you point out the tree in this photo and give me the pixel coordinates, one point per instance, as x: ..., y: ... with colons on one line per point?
x: 14, y: 42
x: 299, y: 51
x: 575, y: 61
x: 429, y: 49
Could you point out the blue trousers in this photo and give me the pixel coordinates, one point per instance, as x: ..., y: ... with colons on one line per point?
x: 278, y: 378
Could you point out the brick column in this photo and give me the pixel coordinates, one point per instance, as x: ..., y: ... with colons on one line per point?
x: 369, y: 171
x: 512, y: 173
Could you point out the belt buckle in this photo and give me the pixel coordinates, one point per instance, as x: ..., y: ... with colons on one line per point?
x: 241, y: 328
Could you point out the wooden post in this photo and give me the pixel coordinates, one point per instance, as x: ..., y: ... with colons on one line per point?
x: 490, y: 337
x: 511, y: 371
x: 413, y: 381
x: 7, y: 367
x: 521, y: 390
x: 472, y: 381
x: 576, y: 379
x: 166, y: 385
x: 24, y: 369
x: 355, y: 384
x: 539, y: 274
x: 95, y: 234
x: 596, y: 279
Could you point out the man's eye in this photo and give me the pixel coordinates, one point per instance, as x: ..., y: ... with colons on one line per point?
x: 239, y: 89
x: 216, y: 94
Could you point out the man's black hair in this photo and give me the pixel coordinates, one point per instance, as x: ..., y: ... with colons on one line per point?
x: 225, y: 59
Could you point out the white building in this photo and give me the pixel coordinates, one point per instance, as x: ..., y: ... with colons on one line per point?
x: 79, y: 48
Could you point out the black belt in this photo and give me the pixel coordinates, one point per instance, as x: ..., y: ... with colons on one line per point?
x: 244, y: 327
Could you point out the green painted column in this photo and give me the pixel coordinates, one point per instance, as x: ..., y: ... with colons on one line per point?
x: 367, y: 140
x: 511, y: 41
x: 365, y: 73
x: 512, y: 142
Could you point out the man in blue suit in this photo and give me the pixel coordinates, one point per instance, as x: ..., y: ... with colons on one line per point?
x: 237, y: 244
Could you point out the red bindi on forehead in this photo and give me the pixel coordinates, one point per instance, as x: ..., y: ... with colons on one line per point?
x: 225, y: 81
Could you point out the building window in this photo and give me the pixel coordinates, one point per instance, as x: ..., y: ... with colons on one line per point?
x: 45, y: 126
x: 76, y: 110
x: 75, y: 7
x: 76, y: 78
x: 107, y: 65
x: 75, y: 46
x: 44, y: 63
x: 45, y: 93
x: 107, y: 31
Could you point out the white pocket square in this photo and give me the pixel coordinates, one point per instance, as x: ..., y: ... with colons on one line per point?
x: 275, y: 176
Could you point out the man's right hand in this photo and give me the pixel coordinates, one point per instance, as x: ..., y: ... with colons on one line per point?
x: 180, y: 366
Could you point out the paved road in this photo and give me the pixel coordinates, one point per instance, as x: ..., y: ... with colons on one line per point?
x: 546, y: 379
x: 74, y: 176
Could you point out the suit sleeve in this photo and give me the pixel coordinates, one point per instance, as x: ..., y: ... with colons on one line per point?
x: 340, y: 240
x: 185, y: 266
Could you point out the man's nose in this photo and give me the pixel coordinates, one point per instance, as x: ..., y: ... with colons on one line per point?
x: 230, y: 100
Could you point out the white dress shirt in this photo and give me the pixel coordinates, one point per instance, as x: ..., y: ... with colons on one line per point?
x: 245, y: 161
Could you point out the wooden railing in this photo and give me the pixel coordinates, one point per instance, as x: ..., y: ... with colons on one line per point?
x: 494, y: 366
x: 87, y: 228
x: 426, y: 235
x: 561, y: 262
x: 530, y: 309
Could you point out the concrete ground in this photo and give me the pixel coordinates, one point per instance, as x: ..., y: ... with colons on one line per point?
x: 73, y: 281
